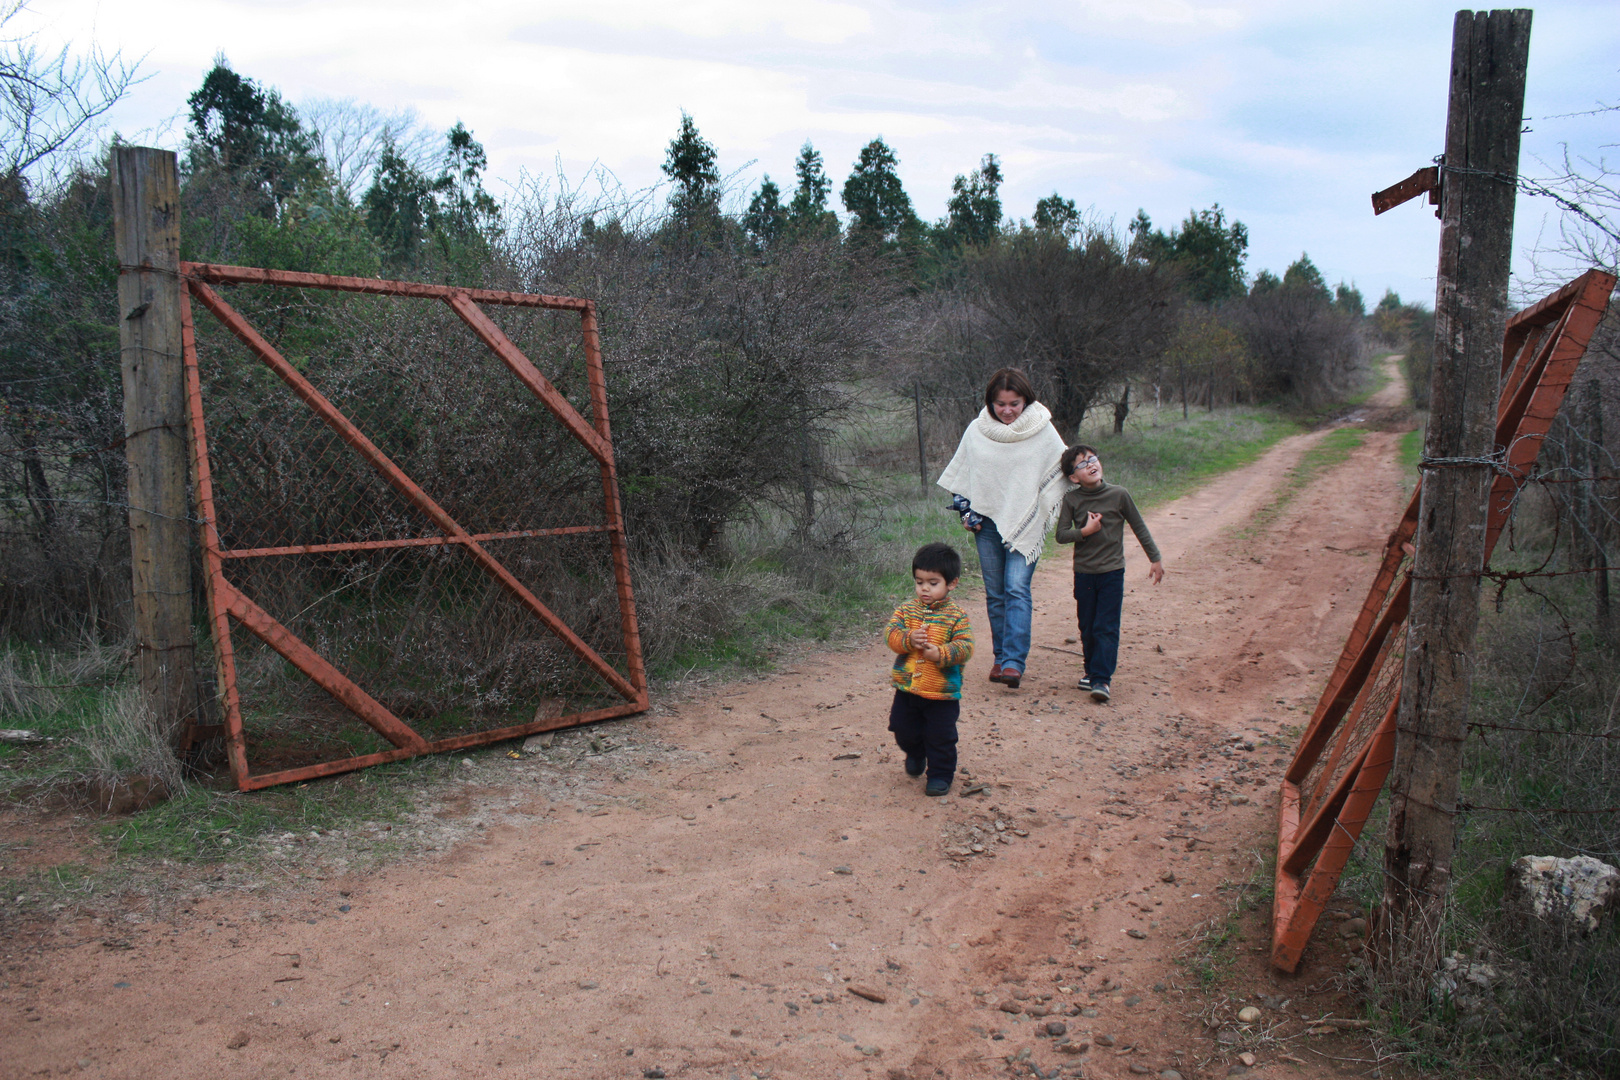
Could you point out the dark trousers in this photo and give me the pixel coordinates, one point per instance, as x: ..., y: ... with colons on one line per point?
x: 926, y: 728
x: 1098, y: 599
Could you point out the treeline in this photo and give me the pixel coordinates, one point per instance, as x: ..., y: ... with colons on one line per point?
x: 744, y: 332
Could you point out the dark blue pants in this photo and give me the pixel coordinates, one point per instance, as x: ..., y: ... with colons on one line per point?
x: 926, y: 728
x: 1098, y: 599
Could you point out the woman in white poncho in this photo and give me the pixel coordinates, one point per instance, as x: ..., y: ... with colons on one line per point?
x: 1008, y: 486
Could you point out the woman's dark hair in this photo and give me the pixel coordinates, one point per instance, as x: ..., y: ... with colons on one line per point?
x: 1009, y: 378
x: 937, y: 558
x: 1073, y: 454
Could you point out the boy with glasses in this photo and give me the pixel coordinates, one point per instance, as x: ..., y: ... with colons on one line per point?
x: 1093, y: 519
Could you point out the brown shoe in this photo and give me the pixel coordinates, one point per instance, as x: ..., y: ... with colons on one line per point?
x: 995, y: 672
x: 1010, y: 677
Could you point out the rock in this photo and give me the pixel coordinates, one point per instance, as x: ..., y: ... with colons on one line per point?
x: 1578, y: 891
x: 1133, y: 1001
x: 853, y: 756
x: 1140, y: 1070
x: 862, y: 991
x: 1104, y: 1040
x: 1010, y: 1007
x: 1056, y: 1027
x: 1169, y: 1074
x: 1073, y: 1047
x: 1090, y: 1014
x: 1239, y: 800
x: 842, y: 870
x: 1168, y: 877
x: 537, y: 744
x: 1353, y: 928
x: 20, y: 736
x: 1246, y: 1059
x: 1159, y: 988
x: 237, y: 1041
x: 654, y: 1074
x: 1137, y: 934
x: 587, y: 984
x: 1248, y: 1015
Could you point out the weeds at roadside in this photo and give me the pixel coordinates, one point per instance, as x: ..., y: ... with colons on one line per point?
x: 1331, y: 450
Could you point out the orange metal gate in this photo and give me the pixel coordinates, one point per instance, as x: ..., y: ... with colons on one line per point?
x: 1348, y: 748
x: 387, y: 511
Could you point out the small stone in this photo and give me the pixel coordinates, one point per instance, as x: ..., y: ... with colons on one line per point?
x: 862, y: 991
x: 343, y: 907
x: 587, y: 984
x: 1169, y: 1074
x: 1010, y: 1007
x: 1133, y: 1001
x: 653, y: 1074
x: 1073, y: 1047
x: 1070, y: 641
x: 1104, y: 1040
x: 1139, y: 935
x: 1159, y: 988
x: 815, y: 999
x: 1248, y: 1014
x: 736, y: 1032
x: 237, y: 1041
x: 1246, y: 1059
x: 1090, y: 1014
x: 842, y: 870
x: 1056, y: 1027
x: 1139, y: 1069
x: 1239, y: 800
x: 1168, y: 877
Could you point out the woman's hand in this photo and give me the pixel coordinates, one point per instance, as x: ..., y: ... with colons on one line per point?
x: 970, y: 528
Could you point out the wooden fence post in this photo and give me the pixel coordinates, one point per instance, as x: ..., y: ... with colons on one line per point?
x: 146, y: 224
x: 1479, y: 182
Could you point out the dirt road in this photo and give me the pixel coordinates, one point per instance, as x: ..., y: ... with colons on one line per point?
x: 713, y: 897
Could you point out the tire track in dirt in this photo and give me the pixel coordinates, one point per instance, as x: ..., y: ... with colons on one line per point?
x: 712, y: 911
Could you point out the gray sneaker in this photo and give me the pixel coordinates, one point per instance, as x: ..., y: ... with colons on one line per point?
x: 1085, y: 682
x: 1099, y: 691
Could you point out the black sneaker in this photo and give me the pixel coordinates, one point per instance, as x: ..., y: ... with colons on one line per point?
x: 1085, y: 682
x: 915, y: 766
x: 937, y: 786
x: 1099, y: 691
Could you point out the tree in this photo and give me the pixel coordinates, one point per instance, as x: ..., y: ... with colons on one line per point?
x: 974, y: 208
x: 405, y: 208
x: 1079, y: 316
x: 1206, y: 251
x: 1303, y: 277
x: 350, y: 137
x: 690, y: 161
x: 1057, y: 214
x: 466, y: 210
x: 877, y: 199
x: 1348, y: 299
x: 808, y: 213
x: 1303, y: 345
x: 250, y: 136
x: 766, y: 217
x: 49, y: 105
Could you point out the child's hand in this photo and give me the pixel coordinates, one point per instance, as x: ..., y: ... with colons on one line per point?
x: 1156, y: 572
x: 1093, y: 523
x: 919, y: 639
x: 932, y: 653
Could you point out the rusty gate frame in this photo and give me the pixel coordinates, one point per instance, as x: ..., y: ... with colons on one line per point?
x: 226, y: 602
x: 1541, y: 348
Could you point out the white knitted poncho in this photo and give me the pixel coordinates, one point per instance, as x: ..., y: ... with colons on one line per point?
x: 1010, y: 473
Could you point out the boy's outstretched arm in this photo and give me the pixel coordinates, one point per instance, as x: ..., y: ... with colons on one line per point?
x: 898, y: 636
x: 1134, y: 517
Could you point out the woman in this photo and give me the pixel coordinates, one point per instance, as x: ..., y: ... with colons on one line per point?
x: 1008, y: 486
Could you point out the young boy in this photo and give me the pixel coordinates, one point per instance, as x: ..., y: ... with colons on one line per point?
x: 933, y: 638
x: 1093, y: 519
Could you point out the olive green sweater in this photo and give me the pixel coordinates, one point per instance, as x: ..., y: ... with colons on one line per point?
x: 1103, y: 550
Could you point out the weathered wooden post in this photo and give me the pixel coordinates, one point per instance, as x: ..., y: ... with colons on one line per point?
x: 1479, y: 180
x: 146, y: 224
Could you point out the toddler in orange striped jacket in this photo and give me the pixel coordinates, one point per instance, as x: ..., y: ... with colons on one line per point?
x: 933, y: 640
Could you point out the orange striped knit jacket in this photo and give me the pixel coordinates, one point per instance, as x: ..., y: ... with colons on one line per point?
x: 948, y: 628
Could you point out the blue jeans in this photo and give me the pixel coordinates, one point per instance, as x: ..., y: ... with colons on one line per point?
x: 1098, y: 599
x: 1006, y: 595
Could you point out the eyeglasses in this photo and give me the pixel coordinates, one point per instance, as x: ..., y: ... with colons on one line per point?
x: 1084, y: 463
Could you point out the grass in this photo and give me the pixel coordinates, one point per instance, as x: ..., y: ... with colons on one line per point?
x: 1332, y: 449
x: 1411, y: 453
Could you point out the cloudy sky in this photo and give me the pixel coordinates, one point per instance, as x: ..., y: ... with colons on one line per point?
x: 1289, y: 115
